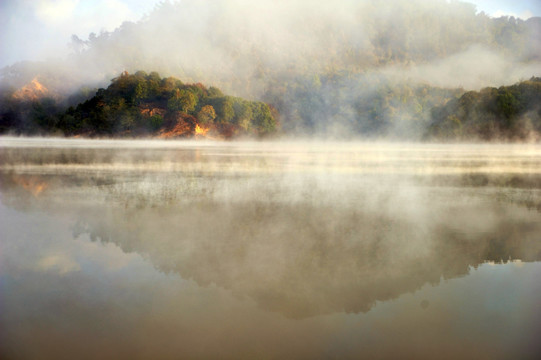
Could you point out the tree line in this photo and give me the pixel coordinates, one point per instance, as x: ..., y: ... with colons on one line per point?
x: 504, y: 113
x: 136, y: 105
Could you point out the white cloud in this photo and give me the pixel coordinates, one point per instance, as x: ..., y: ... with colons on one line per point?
x: 53, y: 12
x: 81, y: 17
x: 101, y: 15
x: 34, y: 30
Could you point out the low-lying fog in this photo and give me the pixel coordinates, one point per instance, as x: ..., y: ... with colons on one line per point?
x: 269, y: 249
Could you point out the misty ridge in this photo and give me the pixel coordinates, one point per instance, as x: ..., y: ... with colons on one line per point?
x: 353, y: 69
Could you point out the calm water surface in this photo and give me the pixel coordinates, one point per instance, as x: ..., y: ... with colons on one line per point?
x: 289, y: 250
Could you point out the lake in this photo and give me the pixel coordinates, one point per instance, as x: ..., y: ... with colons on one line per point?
x: 117, y: 249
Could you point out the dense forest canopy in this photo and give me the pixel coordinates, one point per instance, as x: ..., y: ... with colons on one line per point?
x: 140, y: 104
x: 351, y: 68
x: 144, y: 104
x: 504, y: 113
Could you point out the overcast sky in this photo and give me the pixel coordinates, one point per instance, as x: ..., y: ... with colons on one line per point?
x: 38, y: 29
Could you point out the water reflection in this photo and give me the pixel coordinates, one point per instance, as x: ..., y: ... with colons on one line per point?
x: 297, y: 234
x: 297, y: 242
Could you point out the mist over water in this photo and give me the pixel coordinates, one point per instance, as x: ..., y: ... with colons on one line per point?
x: 275, y: 249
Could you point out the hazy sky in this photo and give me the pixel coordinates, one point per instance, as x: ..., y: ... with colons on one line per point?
x: 33, y: 29
x: 37, y: 29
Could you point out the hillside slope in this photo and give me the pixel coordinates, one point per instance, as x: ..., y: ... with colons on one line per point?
x: 504, y: 113
x: 141, y: 105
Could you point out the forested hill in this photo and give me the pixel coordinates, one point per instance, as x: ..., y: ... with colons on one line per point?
x: 138, y: 105
x: 144, y: 104
x: 352, y: 68
x: 504, y: 113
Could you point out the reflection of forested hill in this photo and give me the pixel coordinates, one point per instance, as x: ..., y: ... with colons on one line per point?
x: 302, y: 260
x: 302, y: 257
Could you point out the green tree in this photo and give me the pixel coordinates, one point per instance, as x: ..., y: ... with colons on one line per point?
x: 507, y: 103
x: 170, y: 84
x: 126, y: 121
x: 224, y: 109
x: 44, y: 113
x: 215, y: 92
x: 141, y: 91
x: 182, y: 100
x: 243, y: 114
x: 263, y: 119
x: 206, y: 115
x: 155, y: 122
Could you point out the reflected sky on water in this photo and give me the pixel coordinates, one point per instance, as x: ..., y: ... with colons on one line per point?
x: 146, y: 249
